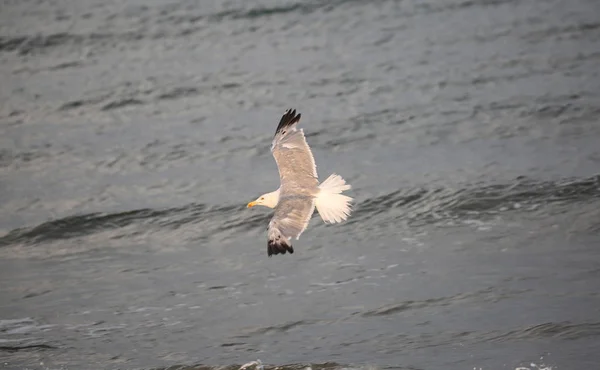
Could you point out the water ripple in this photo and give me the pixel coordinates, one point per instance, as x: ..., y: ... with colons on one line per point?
x: 419, y: 206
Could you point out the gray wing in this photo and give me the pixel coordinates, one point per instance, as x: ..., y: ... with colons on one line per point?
x: 291, y: 218
x: 295, y: 161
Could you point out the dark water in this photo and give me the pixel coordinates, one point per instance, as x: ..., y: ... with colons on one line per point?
x: 134, y: 133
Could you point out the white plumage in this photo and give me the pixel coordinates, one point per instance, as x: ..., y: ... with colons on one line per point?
x: 299, y: 192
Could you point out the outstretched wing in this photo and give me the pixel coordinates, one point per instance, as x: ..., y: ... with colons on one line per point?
x: 291, y: 218
x: 295, y: 161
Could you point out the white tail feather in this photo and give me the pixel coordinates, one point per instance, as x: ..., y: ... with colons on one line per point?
x: 333, y: 207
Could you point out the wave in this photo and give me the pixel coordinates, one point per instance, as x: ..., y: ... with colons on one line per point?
x: 557, y: 330
x: 430, y: 205
x: 258, y: 365
x: 562, y: 330
x: 420, y: 206
x: 28, y: 44
x: 180, y: 24
x: 489, y: 294
x: 180, y: 20
x: 170, y: 218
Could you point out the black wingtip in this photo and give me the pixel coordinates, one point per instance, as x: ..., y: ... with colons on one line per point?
x: 289, y: 118
x: 278, y: 247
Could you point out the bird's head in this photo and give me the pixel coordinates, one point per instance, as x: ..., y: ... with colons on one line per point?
x: 268, y: 200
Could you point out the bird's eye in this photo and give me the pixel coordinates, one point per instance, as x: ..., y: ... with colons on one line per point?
x: 262, y: 198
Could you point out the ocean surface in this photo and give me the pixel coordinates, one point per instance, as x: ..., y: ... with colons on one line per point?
x: 134, y: 133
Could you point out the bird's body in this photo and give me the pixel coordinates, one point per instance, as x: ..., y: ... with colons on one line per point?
x: 299, y: 193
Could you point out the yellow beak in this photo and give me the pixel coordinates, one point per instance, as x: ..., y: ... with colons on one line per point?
x: 251, y: 204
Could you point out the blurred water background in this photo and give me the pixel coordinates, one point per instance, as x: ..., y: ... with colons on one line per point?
x: 133, y: 133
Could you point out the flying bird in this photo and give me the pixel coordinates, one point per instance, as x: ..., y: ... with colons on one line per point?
x: 300, y: 192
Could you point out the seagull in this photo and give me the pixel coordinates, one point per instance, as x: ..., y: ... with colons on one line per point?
x: 300, y: 192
